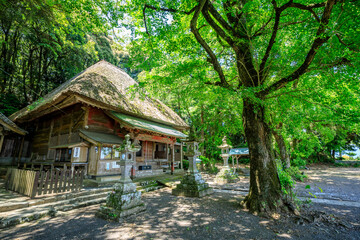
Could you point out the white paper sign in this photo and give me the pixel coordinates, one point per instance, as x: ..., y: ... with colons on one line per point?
x: 117, y: 154
x: 76, y: 152
x: 114, y: 165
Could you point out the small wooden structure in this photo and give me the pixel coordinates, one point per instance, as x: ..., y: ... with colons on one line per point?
x: 11, y: 137
x: 77, y: 126
x: 237, y: 153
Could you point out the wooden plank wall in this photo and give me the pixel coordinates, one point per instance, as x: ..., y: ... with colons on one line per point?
x: 59, y: 128
x: 98, y: 121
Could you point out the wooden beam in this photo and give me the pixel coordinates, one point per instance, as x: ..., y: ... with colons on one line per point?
x: 1, y: 141
x: 50, y: 133
x: 181, y: 156
x: 21, y: 149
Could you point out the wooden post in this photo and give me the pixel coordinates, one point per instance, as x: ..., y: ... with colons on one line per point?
x: 154, y: 149
x: 145, y: 151
x: 233, y: 165
x: 46, y: 184
x: 49, y: 141
x: 173, y: 158
x: 237, y: 162
x: 1, y: 141
x: 181, y: 156
x: 40, y: 188
x: 51, y: 181
x: 56, y: 181
x: 21, y: 149
x: 72, y: 169
x: 167, y: 152
x: 35, y: 185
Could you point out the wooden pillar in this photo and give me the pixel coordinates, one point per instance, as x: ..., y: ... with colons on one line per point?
x: 181, y: 155
x: 72, y: 170
x: 167, y: 152
x: 173, y: 158
x: 21, y: 149
x: 154, y: 148
x: 237, y: 162
x: 1, y: 141
x: 71, y: 125
x: 49, y: 141
x: 233, y: 165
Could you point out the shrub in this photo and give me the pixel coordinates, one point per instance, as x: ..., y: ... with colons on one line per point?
x: 209, y: 164
x: 286, y: 181
x: 185, y: 164
x: 298, y: 162
x: 296, y: 174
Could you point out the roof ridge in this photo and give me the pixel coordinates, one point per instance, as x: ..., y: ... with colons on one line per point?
x: 106, y: 84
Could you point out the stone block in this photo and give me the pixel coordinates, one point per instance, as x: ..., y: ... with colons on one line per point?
x: 122, y: 201
x: 192, y: 185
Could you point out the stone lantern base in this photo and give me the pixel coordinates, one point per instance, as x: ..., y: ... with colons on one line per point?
x: 192, y: 185
x: 226, y: 175
x: 121, y: 202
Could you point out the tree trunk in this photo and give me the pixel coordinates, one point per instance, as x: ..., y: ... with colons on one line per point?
x: 265, y: 190
x: 284, y: 156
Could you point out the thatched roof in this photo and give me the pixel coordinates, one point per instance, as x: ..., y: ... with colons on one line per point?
x: 105, y: 86
x: 9, y: 125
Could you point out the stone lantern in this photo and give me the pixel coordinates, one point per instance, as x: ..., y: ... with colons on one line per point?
x: 192, y: 184
x: 225, y: 175
x: 192, y: 152
x: 124, y: 199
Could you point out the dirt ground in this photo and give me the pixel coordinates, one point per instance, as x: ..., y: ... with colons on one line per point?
x: 214, y: 217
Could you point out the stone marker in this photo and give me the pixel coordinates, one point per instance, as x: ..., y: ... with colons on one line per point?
x: 124, y: 199
x: 192, y: 184
x: 226, y: 175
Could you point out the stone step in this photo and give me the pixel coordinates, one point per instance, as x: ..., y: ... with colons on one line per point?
x: 8, y: 219
x: 10, y: 206
x: 57, y: 205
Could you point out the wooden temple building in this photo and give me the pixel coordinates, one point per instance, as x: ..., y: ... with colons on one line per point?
x: 79, y: 123
x: 12, y: 141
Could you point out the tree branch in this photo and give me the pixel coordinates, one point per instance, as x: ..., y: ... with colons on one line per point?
x: 169, y: 9
x: 219, y: 18
x: 345, y: 44
x: 318, y: 42
x: 216, y: 27
x: 272, y: 38
x: 309, y: 8
x: 259, y: 31
x: 144, y: 15
x: 202, y: 42
x: 164, y: 10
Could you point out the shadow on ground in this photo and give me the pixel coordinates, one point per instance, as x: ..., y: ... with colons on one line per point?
x: 169, y: 217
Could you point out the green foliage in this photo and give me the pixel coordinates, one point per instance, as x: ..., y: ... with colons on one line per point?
x: 298, y: 162
x: 296, y: 174
x: 244, y: 160
x: 209, y: 164
x: 185, y: 164
x: 45, y: 43
x: 9, y: 103
x: 286, y: 180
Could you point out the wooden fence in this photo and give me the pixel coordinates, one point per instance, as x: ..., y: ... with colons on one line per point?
x: 36, y: 183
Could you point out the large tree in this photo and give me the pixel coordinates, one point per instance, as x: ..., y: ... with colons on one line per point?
x: 256, y: 49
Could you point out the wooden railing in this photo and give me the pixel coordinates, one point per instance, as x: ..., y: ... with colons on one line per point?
x: 37, y: 183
